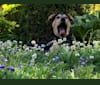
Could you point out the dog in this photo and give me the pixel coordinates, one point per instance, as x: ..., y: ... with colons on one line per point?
x: 59, y: 24
x: 61, y: 28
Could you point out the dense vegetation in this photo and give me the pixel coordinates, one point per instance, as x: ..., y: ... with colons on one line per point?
x: 20, y: 23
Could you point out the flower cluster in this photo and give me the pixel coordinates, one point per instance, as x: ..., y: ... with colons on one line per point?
x: 8, y: 68
x: 83, y: 61
x: 34, y: 56
x: 26, y: 61
x: 55, y: 58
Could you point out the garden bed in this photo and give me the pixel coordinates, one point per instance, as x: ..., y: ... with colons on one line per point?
x: 23, y: 62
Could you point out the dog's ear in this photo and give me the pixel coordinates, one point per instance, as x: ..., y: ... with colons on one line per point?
x: 71, y: 18
x: 51, y: 17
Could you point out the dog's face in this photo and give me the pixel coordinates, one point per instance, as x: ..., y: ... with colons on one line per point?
x: 61, y: 24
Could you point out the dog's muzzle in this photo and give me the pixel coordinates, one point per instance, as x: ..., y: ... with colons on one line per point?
x: 62, y: 28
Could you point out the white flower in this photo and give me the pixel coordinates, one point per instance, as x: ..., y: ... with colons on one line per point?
x: 64, y: 39
x: 60, y: 41
x: 33, y: 42
x: 30, y: 50
x: 72, y: 73
x: 1, y: 42
x: 85, y: 42
x: 34, y: 56
x: 24, y: 46
x: 89, y: 46
x: 47, y: 53
x: 77, y: 43
x: 54, y: 76
x: 77, y: 54
x: 73, y: 47
x: 27, y: 49
x: 39, y: 48
x: 14, y: 41
x: 20, y: 42
x: 91, y: 57
x: 81, y: 44
x: 32, y: 62
x: 54, y: 47
x: 36, y: 45
x: 66, y: 48
x: 42, y: 45
x: 42, y: 49
x: 73, y: 42
x: 7, y: 44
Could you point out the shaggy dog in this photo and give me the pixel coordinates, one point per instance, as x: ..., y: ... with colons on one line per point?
x: 60, y: 28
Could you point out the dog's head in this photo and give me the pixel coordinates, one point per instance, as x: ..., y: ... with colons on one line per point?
x: 61, y: 24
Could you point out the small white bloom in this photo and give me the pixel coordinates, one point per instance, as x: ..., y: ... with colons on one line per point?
x: 5, y: 60
x: 60, y: 41
x: 91, y: 57
x: 42, y: 45
x: 77, y: 54
x: 89, y: 46
x: 54, y: 76
x: 2, y: 48
x: 24, y: 46
x: 34, y: 56
x: 30, y: 50
x: 64, y: 39
x: 32, y: 62
x: 1, y: 42
x: 33, y: 42
x: 39, y: 48
x: 77, y: 43
x: 81, y: 44
x: 54, y: 47
x: 63, y: 45
x: 72, y: 73
x: 73, y: 47
x: 14, y: 41
x: 85, y: 42
x: 83, y: 49
x: 47, y: 53
x: 42, y: 49
x: 73, y: 42
x: 36, y: 45
x: 20, y: 42
x: 27, y: 49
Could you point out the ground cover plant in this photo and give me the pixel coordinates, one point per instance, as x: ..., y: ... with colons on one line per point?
x: 23, y: 62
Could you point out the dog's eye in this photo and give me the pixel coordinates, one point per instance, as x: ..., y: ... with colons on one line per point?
x: 57, y: 17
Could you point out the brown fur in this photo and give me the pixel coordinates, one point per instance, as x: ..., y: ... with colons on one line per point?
x: 56, y: 20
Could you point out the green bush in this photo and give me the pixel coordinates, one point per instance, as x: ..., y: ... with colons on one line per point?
x: 26, y: 22
x: 87, y: 26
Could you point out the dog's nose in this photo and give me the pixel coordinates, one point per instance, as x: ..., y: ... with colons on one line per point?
x: 63, y: 19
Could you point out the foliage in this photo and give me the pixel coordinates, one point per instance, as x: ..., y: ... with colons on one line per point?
x: 30, y: 19
x: 7, y: 25
x: 87, y: 26
x: 23, y: 62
